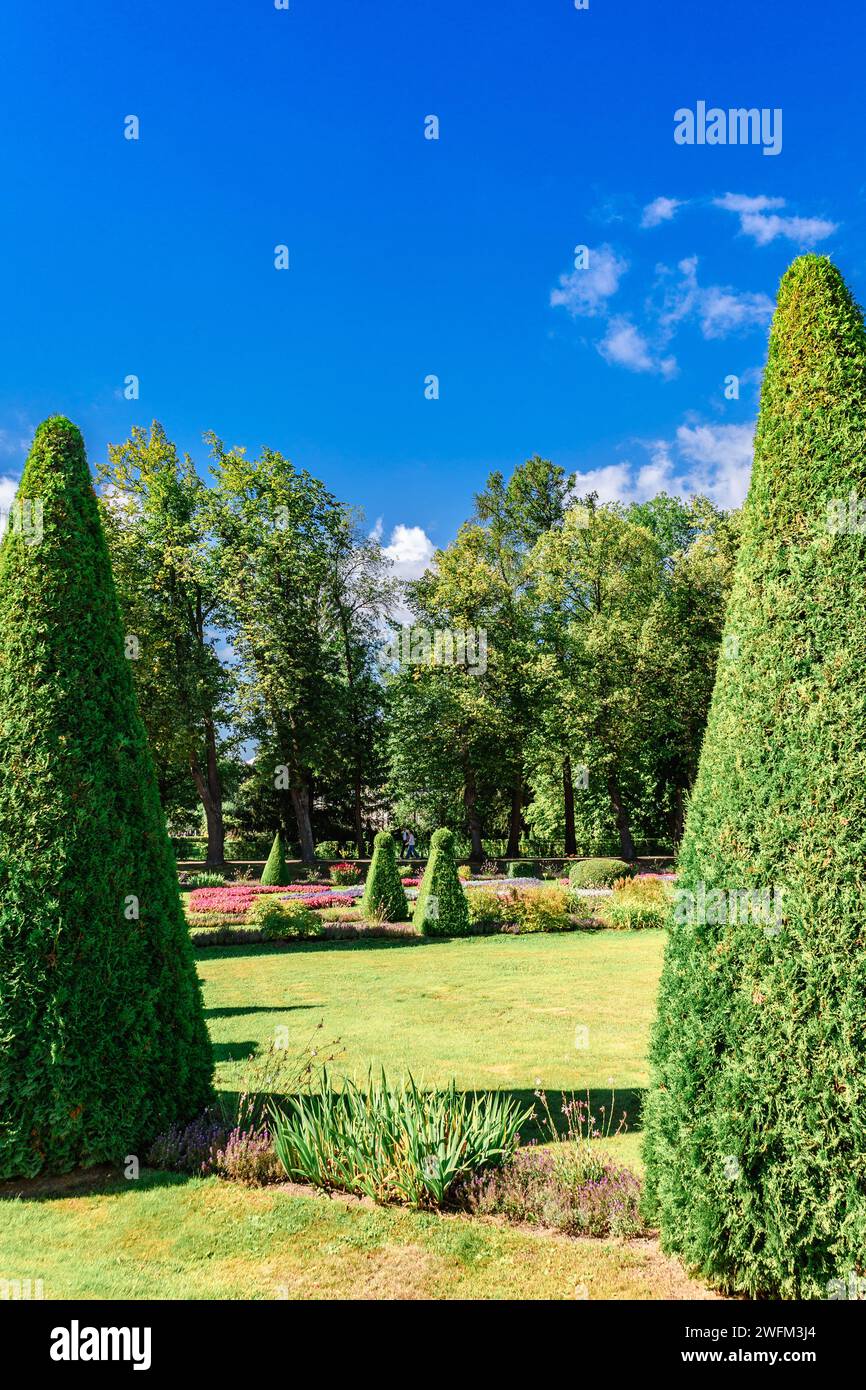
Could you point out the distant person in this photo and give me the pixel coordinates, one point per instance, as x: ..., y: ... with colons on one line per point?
x: 410, y: 846
x: 404, y: 836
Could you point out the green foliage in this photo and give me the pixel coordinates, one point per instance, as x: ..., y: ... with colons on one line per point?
x: 206, y: 880
x: 393, y: 1142
x: 278, y: 920
x: 304, y: 594
x: 441, y: 908
x: 488, y: 908
x: 636, y: 904
x: 756, y: 1117
x: 524, y: 909
x: 384, y: 897
x: 523, y: 868
x: 102, y: 1037
x: 275, y: 874
x: 464, y: 872
x: 598, y: 873
x: 329, y: 849
x: 630, y: 914
x: 569, y: 1184
x: 154, y: 509
x: 542, y: 909
x: 345, y: 875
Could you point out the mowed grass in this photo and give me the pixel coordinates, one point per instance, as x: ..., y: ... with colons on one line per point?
x: 164, y: 1237
x: 501, y: 1013
x: 563, y: 1013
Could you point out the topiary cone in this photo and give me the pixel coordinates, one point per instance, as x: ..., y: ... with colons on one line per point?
x: 102, y: 1037
x: 384, y: 895
x: 275, y: 872
x: 756, y: 1117
x: 441, y: 908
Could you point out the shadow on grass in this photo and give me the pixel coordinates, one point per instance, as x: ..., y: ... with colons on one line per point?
x: 242, y: 1009
x: 107, y: 1180
x: 103, y: 1180
x: 234, y: 1051
x: 625, y: 1104
x: 368, y: 943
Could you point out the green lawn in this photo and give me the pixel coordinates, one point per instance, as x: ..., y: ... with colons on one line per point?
x: 494, y: 1012
x: 498, y: 1012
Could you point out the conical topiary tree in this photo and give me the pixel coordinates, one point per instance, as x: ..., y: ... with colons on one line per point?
x: 384, y: 897
x: 275, y: 872
x: 102, y: 1037
x: 756, y: 1117
x: 442, y: 908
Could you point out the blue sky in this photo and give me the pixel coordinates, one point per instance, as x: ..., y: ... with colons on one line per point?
x: 411, y: 257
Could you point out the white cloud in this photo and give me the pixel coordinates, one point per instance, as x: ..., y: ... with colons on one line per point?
x: 742, y: 202
x: 659, y: 210
x: 584, y: 293
x: 725, y: 311
x: 625, y: 346
x: 719, y: 309
x: 410, y: 551
x: 714, y: 460
x: 759, y: 220
x: 721, y: 456
x: 8, y: 489
x: 658, y: 475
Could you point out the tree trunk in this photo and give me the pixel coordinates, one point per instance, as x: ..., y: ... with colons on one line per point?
x: 209, y: 789
x: 358, y: 814
x: 678, y: 816
x: 301, y: 807
x: 470, y: 799
x: 515, y: 820
x: 568, y: 799
x: 626, y: 844
x: 355, y: 721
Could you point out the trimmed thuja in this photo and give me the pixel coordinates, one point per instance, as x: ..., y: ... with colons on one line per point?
x: 384, y: 897
x: 275, y: 872
x: 756, y: 1116
x: 102, y: 1036
x: 442, y: 908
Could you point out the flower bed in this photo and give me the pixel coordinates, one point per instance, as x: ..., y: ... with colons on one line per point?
x: 237, y: 898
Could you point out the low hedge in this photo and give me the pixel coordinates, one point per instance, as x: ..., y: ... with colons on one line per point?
x: 598, y: 873
x: 523, y: 868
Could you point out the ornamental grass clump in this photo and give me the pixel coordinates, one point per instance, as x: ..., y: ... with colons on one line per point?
x: 392, y: 1141
x: 637, y: 904
x: 103, y: 1042
x: 755, y: 1120
x: 441, y: 908
x: 384, y: 897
